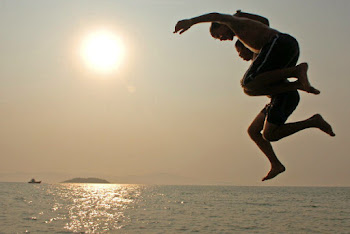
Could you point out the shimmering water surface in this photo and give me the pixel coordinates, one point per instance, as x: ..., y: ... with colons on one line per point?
x: 96, y: 208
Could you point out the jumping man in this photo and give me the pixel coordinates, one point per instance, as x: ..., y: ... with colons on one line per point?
x: 275, y: 55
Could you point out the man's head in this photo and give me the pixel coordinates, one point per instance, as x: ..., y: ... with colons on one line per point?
x: 221, y: 32
x: 243, y: 52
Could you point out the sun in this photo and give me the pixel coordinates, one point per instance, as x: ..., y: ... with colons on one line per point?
x: 103, y: 51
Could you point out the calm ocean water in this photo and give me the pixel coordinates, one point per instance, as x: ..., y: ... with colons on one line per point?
x: 95, y: 208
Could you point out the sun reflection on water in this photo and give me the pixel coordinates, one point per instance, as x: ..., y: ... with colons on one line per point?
x: 96, y: 207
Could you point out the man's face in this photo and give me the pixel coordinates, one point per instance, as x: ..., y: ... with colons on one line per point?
x: 223, y: 33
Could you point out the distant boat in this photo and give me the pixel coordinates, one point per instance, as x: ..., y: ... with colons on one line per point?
x: 33, y: 181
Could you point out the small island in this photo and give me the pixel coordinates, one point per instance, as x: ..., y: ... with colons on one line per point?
x: 86, y: 180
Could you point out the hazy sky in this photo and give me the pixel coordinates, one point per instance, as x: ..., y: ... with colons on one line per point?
x: 175, y: 104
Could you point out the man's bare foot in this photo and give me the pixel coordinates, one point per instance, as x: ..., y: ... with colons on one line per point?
x: 313, y: 90
x: 275, y: 170
x: 303, y: 79
x: 322, y: 124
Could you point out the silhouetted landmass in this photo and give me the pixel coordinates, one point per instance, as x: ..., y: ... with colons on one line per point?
x: 86, y: 180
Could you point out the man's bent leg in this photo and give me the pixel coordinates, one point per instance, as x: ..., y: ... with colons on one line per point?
x: 270, y: 78
x: 265, y: 146
x: 274, y: 132
x: 268, y: 90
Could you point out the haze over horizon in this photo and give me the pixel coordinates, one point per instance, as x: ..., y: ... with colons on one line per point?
x: 173, y: 106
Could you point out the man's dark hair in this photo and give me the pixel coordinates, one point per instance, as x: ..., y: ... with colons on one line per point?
x: 215, y: 26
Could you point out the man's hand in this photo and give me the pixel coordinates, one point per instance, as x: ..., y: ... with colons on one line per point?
x: 183, y: 26
x: 244, y: 52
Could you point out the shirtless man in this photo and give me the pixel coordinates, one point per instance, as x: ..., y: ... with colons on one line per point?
x: 276, y: 58
x: 255, y: 36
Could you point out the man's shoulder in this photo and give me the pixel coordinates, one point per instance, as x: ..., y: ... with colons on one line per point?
x: 251, y: 16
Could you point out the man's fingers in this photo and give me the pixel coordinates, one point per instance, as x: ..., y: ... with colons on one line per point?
x: 180, y: 31
x: 183, y: 30
x: 177, y: 29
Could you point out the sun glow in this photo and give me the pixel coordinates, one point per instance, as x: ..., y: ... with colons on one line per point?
x: 103, y: 51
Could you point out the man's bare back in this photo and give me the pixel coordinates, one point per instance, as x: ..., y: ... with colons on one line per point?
x: 254, y: 35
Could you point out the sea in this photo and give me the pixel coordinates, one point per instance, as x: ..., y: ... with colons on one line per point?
x: 128, y: 208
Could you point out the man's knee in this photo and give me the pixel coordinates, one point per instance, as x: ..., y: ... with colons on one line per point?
x: 253, y: 89
x: 253, y: 132
x: 248, y: 86
x: 254, y: 92
x: 248, y: 92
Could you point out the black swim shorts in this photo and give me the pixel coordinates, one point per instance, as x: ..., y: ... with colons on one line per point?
x: 281, y: 52
x: 281, y: 107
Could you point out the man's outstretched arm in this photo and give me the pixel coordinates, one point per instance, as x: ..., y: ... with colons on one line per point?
x: 184, y: 25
